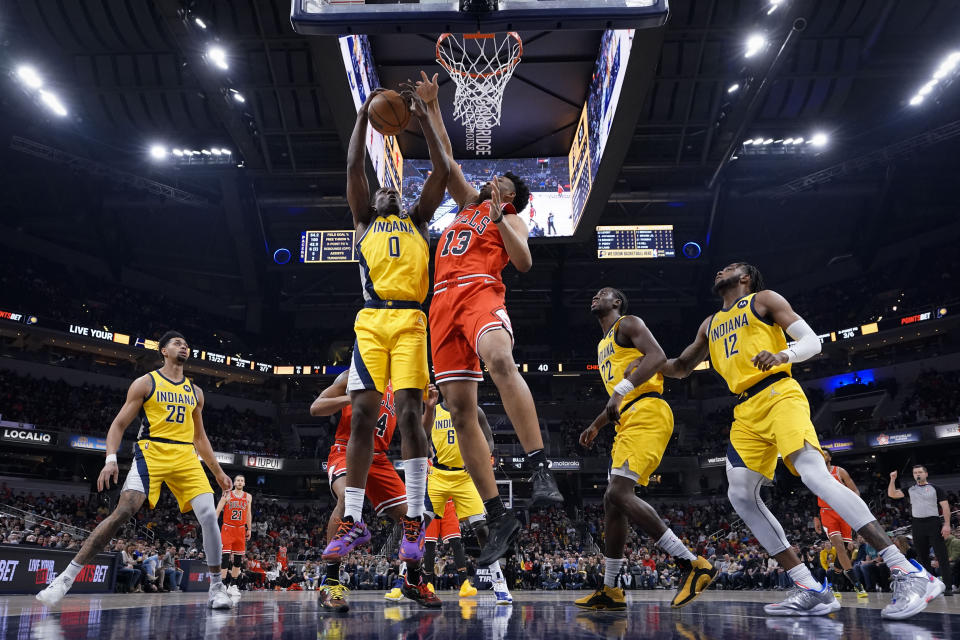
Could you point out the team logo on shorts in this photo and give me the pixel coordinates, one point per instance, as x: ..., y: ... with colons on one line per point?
x: 742, y: 304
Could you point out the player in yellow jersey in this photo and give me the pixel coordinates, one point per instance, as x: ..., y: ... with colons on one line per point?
x: 450, y: 480
x: 391, y: 344
x: 629, y: 359
x: 171, y: 434
x: 746, y: 345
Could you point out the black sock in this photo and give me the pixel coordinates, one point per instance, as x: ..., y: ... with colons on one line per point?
x: 429, y: 558
x: 852, y: 578
x: 226, y: 580
x: 494, y: 507
x: 413, y: 575
x: 536, y: 459
x: 333, y: 571
x: 459, y: 558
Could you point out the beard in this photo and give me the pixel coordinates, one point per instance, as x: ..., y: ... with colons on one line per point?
x: 181, y: 359
x: 722, y: 285
x: 485, y: 193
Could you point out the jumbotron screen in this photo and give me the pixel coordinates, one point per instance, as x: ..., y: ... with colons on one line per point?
x: 635, y: 241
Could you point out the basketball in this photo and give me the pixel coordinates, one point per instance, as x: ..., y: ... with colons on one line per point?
x: 389, y: 113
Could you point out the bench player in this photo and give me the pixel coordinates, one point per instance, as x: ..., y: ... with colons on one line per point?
x: 170, y: 437
x: 237, y: 508
x: 391, y: 338
x: 469, y: 322
x: 384, y: 489
x: 747, y: 347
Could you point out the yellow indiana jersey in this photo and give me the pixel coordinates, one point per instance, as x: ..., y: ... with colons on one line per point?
x: 613, y: 360
x: 394, y: 260
x: 738, y: 334
x: 168, y: 411
x: 445, y: 440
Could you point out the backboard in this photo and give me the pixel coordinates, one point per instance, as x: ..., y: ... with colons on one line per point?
x: 341, y: 17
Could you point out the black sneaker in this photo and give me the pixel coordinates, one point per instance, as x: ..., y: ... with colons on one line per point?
x: 545, y: 491
x: 502, y: 532
x: 333, y: 596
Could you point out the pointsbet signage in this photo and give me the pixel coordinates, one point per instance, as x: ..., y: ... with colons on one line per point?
x: 25, y: 569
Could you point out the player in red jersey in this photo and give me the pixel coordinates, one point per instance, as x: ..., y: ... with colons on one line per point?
x: 837, y: 530
x: 237, y: 507
x: 384, y: 488
x: 469, y: 322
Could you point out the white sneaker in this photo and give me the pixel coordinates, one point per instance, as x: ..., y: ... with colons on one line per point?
x: 219, y: 598
x: 234, y: 591
x: 911, y: 592
x: 502, y: 593
x: 54, y: 592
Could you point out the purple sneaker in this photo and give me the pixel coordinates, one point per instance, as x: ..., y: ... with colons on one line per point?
x: 350, y: 535
x: 411, y: 546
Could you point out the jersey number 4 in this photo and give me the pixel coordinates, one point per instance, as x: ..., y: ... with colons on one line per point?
x: 177, y: 413
x: 382, y: 426
x: 463, y: 241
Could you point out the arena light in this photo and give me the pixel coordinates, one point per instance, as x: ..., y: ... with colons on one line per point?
x: 733, y: 88
x: 819, y: 140
x: 53, y: 103
x: 755, y: 44
x: 200, y: 23
x: 217, y: 56
x: 226, y: 152
x: 915, y: 100
x: 29, y: 76
x: 940, y: 78
x: 774, y: 4
x: 205, y: 152
x: 746, y: 142
x: 215, y: 151
x: 788, y: 141
x: 177, y: 152
x: 768, y: 141
x: 798, y: 140
x: 158, y: 152
x: 237, y: 96
x: 758, y: 141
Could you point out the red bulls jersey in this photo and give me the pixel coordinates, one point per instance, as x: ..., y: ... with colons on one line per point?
x: 235, y: 513
x: 470, y: 247
x: 386, y: 423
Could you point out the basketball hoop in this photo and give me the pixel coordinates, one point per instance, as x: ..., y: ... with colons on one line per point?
x: 480, y: 64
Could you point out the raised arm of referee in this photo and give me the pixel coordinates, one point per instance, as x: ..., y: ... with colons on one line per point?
x: 928, y: 503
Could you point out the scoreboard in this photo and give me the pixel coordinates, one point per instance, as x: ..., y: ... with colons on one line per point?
x: 328, y: 246
x: 635, y: 241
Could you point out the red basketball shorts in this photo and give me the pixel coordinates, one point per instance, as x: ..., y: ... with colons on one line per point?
x: 460, y: 314
x: 384, y: 488
x: 447, y: 527
x: 234, y: 539
x: 834, y: 524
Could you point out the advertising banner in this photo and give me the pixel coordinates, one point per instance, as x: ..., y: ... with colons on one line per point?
x: 28, y: 569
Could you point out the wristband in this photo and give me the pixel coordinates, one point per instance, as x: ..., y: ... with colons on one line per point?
x: 111, y: 457
x: 497, y: 220
x: 623, y: 387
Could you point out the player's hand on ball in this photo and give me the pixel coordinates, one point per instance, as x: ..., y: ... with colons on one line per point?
x: 432, y: 396
x: 588, y: 436
x: 110, y: 470
x: 893, y: 475
x: 766, y: 360
x: 417, y: 107
x: 613, y: 408
x: 224, y: 481
x: 427, y: 88
x: 373, y: 94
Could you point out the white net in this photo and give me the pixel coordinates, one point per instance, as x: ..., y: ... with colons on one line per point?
x: 480, y: 65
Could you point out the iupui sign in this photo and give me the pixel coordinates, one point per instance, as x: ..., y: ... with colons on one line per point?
x: 263, y: 462
x: 30, y: 436
x: 25, y: 569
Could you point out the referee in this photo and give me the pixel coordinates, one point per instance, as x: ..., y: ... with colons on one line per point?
x: 927, y: 504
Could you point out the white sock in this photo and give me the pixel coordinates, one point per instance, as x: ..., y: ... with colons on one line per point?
x: 611, y: 569
x: 673, y: 545
x: 415, y: 477
x: 215, y: 578
x: 353, y: 503
x: 802, y: 576
x: 894, y: 559
x: 495, y: 573
x: 70, y: 573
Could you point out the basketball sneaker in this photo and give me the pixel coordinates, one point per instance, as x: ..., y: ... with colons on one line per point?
x: 218, y: 598
x: 861, y: 592
x: 502, y: 593
x: 395, y: 593
x: 411, y: 546
x: 234, y: 591
x: 912, y: 591
x: 698, y: 574
x: 54, y: 592
x: 604, y: 599
x: 350, y: 535
x: 801, y: 601
x: 467, y: 589
x: 502, y: 531
x: 545, y: 491
x: 421, y: 594
x: 333, y: 596
x: 430, y: 586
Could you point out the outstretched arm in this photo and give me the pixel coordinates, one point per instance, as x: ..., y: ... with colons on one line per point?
x: 461, y: 190
x: 512, y: 229
x: 332, y: 399
x: 694, y: 354
x: 435, y: 185
x: 358, y: 190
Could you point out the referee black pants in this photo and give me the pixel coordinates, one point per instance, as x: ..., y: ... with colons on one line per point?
x: 926, y: 534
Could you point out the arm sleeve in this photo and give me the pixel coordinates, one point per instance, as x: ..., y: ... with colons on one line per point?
x: 807, y: 343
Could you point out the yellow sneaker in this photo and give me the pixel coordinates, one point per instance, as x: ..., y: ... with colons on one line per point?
x: 837, y: 593
x: 394, y: 594
x: 861, y: 592
x: 430, y: 586
x: 467, y: 589
x: 699, y: 574
x: 605, y: 599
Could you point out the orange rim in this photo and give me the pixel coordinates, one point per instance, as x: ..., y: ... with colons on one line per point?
x: 480, y: 36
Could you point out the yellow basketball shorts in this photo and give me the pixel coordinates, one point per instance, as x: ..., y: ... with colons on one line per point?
x: 177, y: 465
x: 458, y: 486
x: 391, y: 345
x: 642, y: 437
x: 774, y: 421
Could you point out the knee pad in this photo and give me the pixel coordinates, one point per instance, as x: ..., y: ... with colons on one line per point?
x: 225, y: 562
